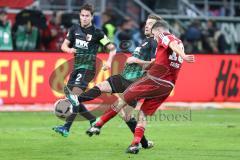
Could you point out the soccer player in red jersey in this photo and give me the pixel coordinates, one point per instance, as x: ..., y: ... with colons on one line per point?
x: 156, y: 86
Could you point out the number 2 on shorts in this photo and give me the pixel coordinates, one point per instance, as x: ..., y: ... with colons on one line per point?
x: 79, y: 76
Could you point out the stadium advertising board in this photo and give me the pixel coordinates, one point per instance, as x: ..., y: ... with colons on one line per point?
x: 32, y: 77
x: 213, y: 78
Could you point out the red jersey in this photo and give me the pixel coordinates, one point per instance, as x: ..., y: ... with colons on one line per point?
x: 167, y: 63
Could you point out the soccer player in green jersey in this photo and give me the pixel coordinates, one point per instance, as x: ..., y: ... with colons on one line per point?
x: 143, y: 55
x: 83, y: 41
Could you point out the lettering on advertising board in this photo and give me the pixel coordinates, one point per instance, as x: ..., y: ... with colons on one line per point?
x: 227, y: 81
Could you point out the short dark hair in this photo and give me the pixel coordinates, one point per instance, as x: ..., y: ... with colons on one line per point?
x: 162, y: 23
x: 155, y: 17
x: 87, y: 7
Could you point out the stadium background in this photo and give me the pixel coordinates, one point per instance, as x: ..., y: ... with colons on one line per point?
x: 31, y: 77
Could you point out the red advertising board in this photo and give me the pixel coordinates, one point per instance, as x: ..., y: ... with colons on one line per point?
x: 32, y: 77
x: 213, y: 78
x: 27, y: 78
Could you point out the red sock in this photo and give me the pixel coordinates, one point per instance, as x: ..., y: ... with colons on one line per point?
x: 109, y: 114
x: 138, y: 134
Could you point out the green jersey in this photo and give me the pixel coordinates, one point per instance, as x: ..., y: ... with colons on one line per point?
x: 6, y: 37
x: 86, y: 41
x: 146, y: 51
x: 27, y: 40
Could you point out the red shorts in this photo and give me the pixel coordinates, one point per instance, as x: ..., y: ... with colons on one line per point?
x: 153, y: 90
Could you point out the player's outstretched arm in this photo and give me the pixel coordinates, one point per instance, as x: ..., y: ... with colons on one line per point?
x: 177, y: 49
x: 112, y: 52
x: 132, y: 59
x: 65, y: 47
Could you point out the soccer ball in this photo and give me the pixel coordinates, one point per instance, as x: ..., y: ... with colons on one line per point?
x: 63, y: 108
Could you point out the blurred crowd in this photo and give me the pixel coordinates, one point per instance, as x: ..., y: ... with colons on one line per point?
x: 207, y: 37
x: 47, y: 34
x: 30, y: 33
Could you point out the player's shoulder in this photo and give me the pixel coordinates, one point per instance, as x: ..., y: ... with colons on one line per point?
x: 167, y: 37
x: 147, y: 41
x: 170, y: 36
x: 75, y: 27
x: 166, y: 34
x: 98, y: 31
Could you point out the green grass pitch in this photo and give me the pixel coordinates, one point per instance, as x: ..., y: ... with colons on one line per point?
x: 206, y: 135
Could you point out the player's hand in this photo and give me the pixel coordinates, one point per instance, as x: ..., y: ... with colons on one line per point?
x: 131, y: 60
x: 72, y: 50
x: 189, y: 58
x: 106, y: 66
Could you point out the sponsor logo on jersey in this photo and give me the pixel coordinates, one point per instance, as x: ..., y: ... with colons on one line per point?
x: 88, y: 37
x: 81, y: 44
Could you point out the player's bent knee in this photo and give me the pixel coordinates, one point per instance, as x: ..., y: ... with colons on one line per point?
x: 104, y: 86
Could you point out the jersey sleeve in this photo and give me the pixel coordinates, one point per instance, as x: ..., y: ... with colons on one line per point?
x: 103, y: 39
x: 166, y: 39
x: 70, y: 34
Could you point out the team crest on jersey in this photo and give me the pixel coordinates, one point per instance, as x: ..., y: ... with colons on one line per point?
x: 144, y: 44
x: 88, y: 37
